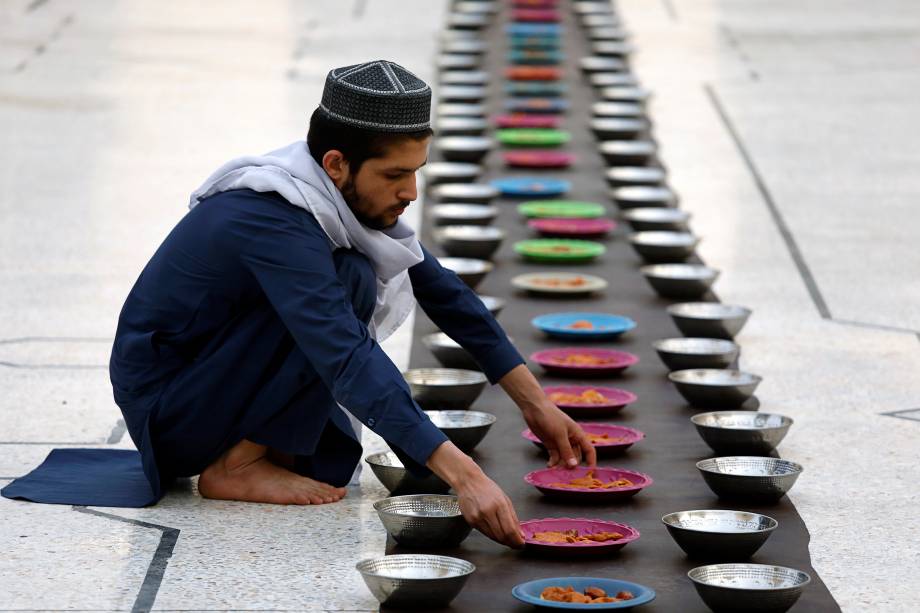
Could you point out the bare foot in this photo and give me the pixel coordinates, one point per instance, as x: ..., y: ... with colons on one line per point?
x: 245, y: 473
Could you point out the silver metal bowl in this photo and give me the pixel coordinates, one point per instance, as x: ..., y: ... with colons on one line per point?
x: 462, y: 126
x: 445, y: 388
x: 465, y: 429
x: 461, y: 109
x: 415, y: 581
x: 709, y: 319
x: 470, y: 241
x: 612, y: 48
x: 464, y: 148
x: 465, y: 193
x: 470, y: 271
x: 451, y: 172
x: 613, y: 79
x: 719, y: 535
x: 627, y: 152
x: 643, y: 196
x: 655, y: 219
x: 752, y: 588
x: 457, y: 61
x: 664, y: 246
x: 635, y: 95
x: 742, y: 432
x: 591, y: 7
x: 398, y: 480
x: 462, y: 214
x: 469, y: 46
x: 680, y: 280
x: 495, y: 305
x: 468, y: 21
x: 611, y: 128
x: 592, y: 64
x: 687, y: 353
x: 465, y: 77
x: 601, y: 21
x: 462, y: 93
x: 617, y: 109
x: 448, y: 352
x: 749, y: 477
x: 608, y: 32
x: 715, y: 387
x: 423, y: 520
x: 478, y: 6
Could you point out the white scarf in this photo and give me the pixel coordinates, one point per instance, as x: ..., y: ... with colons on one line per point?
x: 292, y: 172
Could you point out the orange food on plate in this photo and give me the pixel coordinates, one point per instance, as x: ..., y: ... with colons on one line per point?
x: 590, y: 396
x: 582, y: 359
x: 581, y: 324
x: 556, y: 282
x: 591, y: 482
x: 572, y: 536
x: 591, y: 595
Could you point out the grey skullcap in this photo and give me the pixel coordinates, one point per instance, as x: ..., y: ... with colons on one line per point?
x: 378, y: 95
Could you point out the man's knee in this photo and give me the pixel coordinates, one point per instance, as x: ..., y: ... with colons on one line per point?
x: 357, y: 274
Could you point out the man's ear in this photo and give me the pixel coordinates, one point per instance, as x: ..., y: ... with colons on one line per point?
x: 336, y: 166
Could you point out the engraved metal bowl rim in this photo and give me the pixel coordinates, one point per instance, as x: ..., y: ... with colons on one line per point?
x: 456, y: 233
x: 362, y: 564
x: 681, y: 377
x: 661, y: 345
x: 462, y: 376
x: 773, y: 524
x: 665, y: 272
x: 704, y: 466
x: 655, y: 214
x: 487, y: 419
x: 750, y: 565
x: 467, y: 266
x: 732, y: 311
x: 645, y: 238
x: 381, y: 505
x: 785, y: 421
x: 465, y: 143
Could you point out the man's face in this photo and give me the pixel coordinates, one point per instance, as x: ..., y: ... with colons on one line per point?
x: 384, y: 186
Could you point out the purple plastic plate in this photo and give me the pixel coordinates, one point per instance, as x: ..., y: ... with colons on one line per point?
x: 584, y: 526
x: 623, y: 437
x: 544, y: 479
x: 523, y: 120
x: 616, y: 399
x: 615, y: 361
x: 535, y: 15
x: 572, y: 226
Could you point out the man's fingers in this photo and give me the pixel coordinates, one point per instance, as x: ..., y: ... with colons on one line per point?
x: 553, y: 457
x: 566, y: 453
x: 511, y: 527
x: 590, y: 452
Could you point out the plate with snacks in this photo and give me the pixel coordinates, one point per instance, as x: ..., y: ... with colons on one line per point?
x: 583, y: 484
x: 528, y: 187
x: 523, y: 120
x: 558, y: 250
x: 585, y: 400
x: 608, y: 439
x: 568, y: 536
x: 535, y: 57
x: 561, y: 209
x: 538, y: 158
x: 572, y: 227
x: 537, y: 105
x: 533, y: 73
x: 584, y: 361
x: 535, y: 15
x: 589, y: 326
x: 558, y: 283
x: 538, y: 89
x: 533, y: 29
x: 583, y: 593
x: 532, y: 137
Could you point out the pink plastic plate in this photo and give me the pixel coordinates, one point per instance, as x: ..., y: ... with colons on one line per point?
x: 544, y: 480
x: 621, y: 437
x: 616, y: 399
x: 538, y: 158
x: 521, y: 120
x: 535, y: 15
x: 615, y: 361
x: 584, y: 526
x: 572, y: 227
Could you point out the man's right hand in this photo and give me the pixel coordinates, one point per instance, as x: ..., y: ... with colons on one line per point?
x: 484, y: 505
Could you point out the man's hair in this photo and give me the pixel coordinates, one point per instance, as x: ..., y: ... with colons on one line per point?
x: 356, y: 144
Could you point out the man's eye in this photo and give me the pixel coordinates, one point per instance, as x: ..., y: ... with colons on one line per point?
x: 394, y: 177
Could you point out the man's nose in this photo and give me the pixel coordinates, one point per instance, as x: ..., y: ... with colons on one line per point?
x: 408, y: 191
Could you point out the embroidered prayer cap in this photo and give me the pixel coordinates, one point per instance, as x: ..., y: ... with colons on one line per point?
x: 378, y: 95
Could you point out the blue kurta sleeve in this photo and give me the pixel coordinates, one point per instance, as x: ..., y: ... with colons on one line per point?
x: 291, y: 260
x: 460, y: 314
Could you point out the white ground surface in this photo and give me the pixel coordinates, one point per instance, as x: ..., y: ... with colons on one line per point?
x: 112, y: 112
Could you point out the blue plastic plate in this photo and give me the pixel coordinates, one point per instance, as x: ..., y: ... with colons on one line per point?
x: 533, y: 29
x: 531, y: 186
x: 536, y: 105
x: 605, y: 325
x: 530, y: 593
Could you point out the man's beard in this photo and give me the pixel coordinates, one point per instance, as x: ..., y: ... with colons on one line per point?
x: 359, y: 207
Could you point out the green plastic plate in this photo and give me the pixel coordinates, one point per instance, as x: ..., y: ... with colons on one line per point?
x: 532, y: 137
x: 558, y: 250
x: 561, y: 209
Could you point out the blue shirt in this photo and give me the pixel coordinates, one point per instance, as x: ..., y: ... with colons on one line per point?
x: 240, y: 246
